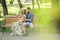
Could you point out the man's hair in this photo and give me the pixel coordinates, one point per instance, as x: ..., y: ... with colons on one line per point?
x: 28, y: 8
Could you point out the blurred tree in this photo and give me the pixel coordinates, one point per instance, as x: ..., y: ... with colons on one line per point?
x: 20, y: 5
x: 55, y: 4
x: 0, y: 1
x: 33, y: 4
x: 0, y: 14
x: 11, y: 1
x: 37, y: 1
x: 55, y: 8
x: 40, y: 1
x: 55, y: 11
x: 5, y: 10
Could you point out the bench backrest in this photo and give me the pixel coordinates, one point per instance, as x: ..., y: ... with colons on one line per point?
x: 9, y: 20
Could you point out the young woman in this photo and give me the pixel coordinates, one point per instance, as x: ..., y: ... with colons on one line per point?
x: 22, y: 16
x: 16, y: 26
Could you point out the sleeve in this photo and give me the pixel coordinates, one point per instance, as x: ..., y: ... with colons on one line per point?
x: 32, y: 16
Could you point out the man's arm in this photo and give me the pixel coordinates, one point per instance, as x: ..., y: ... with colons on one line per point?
x: 31, y: 18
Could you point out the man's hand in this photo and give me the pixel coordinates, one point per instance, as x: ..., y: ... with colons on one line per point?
x: 28, y: 19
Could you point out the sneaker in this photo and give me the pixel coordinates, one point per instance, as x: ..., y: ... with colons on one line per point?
x: 12, y: 34
x: 29, y: 33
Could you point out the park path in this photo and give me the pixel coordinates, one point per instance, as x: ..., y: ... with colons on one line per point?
x: 32, y: 36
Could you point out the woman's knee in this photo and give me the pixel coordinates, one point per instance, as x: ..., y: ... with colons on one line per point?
x: 23, y: 25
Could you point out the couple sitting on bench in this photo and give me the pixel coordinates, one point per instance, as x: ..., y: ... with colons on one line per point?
x: 25, y: 19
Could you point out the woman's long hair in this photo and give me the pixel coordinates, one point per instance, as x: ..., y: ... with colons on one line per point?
x: 23, y: 12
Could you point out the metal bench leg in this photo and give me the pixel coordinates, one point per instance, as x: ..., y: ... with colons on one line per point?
x: 3, y: 30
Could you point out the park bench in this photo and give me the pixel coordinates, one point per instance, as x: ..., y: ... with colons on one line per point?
x: 8, y: 20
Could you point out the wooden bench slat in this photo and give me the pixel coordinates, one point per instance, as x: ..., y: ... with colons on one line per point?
x: 7, y: 25
x: 9, y: 20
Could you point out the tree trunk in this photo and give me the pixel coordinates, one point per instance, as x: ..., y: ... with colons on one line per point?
x: 0, y: 1
x: 20, y: 5
x: 0, y: 14
x: 37, y: 1
x: 33, y: 4
x: 5, y: 11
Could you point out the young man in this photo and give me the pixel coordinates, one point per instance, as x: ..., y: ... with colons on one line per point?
x: 28, y: 21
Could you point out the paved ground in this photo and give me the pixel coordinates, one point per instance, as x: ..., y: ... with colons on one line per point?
x: 32, y: 36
